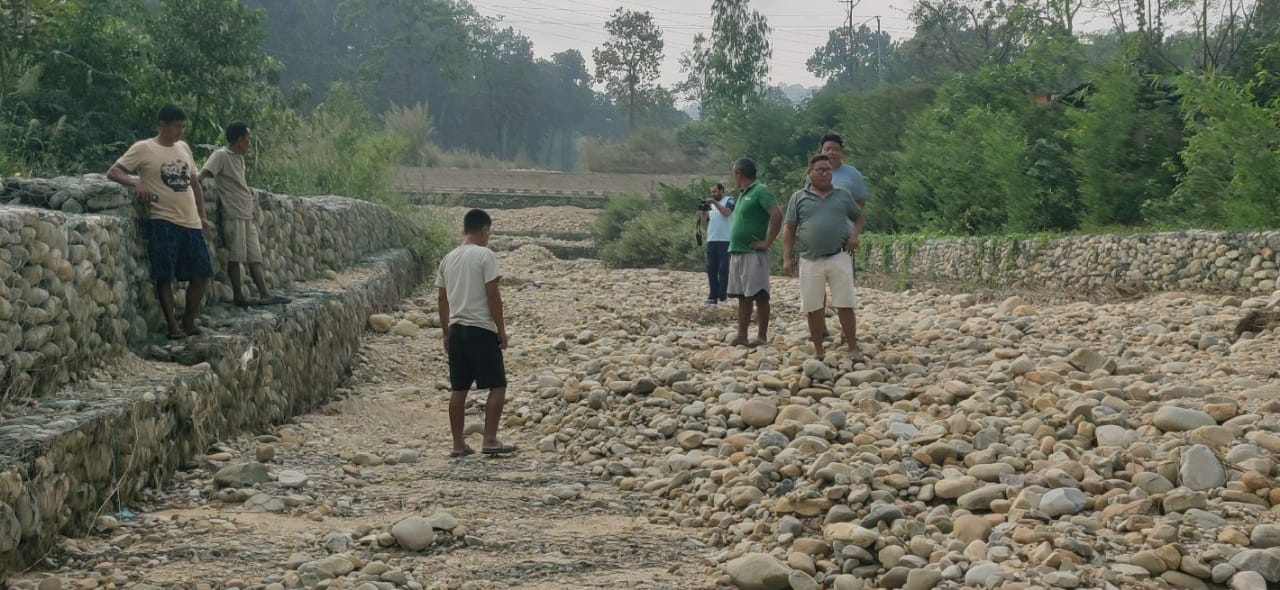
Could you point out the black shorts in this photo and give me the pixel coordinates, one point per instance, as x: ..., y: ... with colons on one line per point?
x: 177, y: 253
x: 475, y: 358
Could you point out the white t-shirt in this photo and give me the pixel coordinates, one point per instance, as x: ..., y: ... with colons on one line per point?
x: 718, y: 225
x: 463, y: 273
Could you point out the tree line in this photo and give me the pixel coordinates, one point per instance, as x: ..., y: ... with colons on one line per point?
x: 1006, y: 117
x: 991, y: 116
x: 426, y: 82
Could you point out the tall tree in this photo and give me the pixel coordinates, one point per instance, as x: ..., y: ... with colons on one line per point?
x: 967, y: 34
x: 409, y: 49
x: 504, y: 59
x: 727, y: 71
x: 220, y: 85
x: 859, y: 65
x: 628, y: 62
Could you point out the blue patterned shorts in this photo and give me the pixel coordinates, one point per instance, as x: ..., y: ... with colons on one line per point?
x: 177, y: 253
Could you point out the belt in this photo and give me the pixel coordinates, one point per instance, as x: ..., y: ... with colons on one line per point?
x: 840, y: 251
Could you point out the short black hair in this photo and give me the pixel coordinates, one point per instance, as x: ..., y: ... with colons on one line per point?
x: 236, y: 130
x: 719, y: 186
x: 475, y: 220
x: 171, y: 113
x: 831, y: 137
x: 818, y: 158
x: 747, y: 167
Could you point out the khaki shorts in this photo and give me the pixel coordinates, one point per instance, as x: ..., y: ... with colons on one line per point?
x: 748, y: 274
x: 815, y: 275
x: 242, y: 241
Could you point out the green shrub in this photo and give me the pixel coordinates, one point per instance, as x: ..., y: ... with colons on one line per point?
x: 656, y: 239
x: 338, y: 150
x: 617, y: 214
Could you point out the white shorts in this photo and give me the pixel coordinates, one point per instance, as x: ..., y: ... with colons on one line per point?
x: 748, y: 275
x: 815, y: 275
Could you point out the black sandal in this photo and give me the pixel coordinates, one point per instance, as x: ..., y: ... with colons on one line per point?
x: 505, y: 449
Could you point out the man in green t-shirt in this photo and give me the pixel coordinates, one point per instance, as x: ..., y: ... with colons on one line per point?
x: 756, y: 222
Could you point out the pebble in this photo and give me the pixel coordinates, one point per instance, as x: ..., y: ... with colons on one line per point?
x: 1176, y: 419
x: 1200, y: 469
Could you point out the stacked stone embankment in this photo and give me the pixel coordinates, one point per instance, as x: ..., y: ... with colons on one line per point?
x: 87, y: 426
x: 1194, y: 260
x: 74, y: 287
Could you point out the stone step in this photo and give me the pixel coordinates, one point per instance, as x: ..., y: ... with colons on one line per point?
x: 94, y: 447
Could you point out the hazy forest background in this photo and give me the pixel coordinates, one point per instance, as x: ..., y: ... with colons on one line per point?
x: 995, y: 116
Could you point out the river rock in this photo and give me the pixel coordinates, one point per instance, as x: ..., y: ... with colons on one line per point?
x: 758, y: 571
x: 414, y: 533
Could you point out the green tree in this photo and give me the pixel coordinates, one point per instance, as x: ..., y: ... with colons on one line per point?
x: 1232, y: 160
x: 1123, y: 140
x: 727, y: 71
x: 73, y: 85
x: 504, y: 63
x: 861, y: 64
x: 407, y: 47
x: 217, y: 85
x: 628, y: 62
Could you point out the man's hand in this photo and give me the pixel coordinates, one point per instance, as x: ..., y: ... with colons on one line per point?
x: 204, y: 223
x: 852, y: 244
x: 760, y: 245
x: 788, y: 268
x: 140, y: 189
x: 502, y: 340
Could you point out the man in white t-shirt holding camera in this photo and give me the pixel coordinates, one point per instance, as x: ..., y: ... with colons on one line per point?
x: 717, y: 217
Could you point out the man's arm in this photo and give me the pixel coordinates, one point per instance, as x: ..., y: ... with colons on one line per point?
x: 775, y: 225
x: 119, y: 175
x: 494, y: 295
x: 721, y: 209
x: 858, y: 224
x: 442, y: 303
x: 198, y: 191
x: 788, y: 247
x: 212, y: 166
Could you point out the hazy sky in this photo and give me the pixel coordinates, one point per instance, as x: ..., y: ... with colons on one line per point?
x: 799, y: 26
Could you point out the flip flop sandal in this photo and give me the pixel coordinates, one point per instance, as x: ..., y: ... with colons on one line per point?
x: 274, y: 300
x: 506, y: 449
x: 461, y: 454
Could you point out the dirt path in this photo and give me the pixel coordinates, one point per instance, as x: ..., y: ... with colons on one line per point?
x: 515, y: 533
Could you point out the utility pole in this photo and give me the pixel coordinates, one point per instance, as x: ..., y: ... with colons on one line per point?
x: 879, y: 54
x: 849, y: 63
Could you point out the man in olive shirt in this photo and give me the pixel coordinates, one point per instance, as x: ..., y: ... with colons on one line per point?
x: 239, y: 208
x: 756, y: 221
x: 827, y: 220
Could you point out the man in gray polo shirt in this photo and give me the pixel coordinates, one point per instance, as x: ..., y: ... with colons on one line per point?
x: 827, y: 221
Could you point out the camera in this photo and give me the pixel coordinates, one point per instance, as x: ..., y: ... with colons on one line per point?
x: 704, y: 205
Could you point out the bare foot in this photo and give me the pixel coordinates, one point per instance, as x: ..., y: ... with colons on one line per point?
x: 739, y: 341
